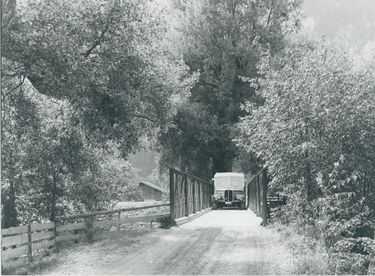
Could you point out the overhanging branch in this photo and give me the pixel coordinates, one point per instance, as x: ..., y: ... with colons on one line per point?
x: 138, y: 115
x: 203, y: 82
x: 98, y: 41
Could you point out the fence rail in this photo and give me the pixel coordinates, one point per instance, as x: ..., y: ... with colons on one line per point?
x: 115, y: 211
x: 188, y: 194
x: 20, y: 245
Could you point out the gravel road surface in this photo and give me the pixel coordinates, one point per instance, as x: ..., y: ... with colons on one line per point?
x: 219, y: 242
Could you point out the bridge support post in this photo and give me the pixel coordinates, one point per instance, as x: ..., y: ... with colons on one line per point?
x: 199, y: 196
x: 186, y: 193
x: 264, y: 199
x: 171, y: 195
x: 194, y: 195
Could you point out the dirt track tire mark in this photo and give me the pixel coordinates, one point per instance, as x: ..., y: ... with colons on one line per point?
x: 188, y: 257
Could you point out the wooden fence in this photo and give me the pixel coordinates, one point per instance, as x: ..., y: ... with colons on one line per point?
x: 257, y: 195
x: 23, y: 244
x: 188, y: 194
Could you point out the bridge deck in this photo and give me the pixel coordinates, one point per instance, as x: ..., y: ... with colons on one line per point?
x: 219, y: 242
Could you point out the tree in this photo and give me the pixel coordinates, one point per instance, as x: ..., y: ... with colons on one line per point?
x: 105, y: 57
x: 49, y: 168
x: 106, y: 184
x: 19, y: 125
x: 40, y: 150
x: 313, y: 105
x: 315, y: 132
x: 105, y: 67
x: 222, y: 40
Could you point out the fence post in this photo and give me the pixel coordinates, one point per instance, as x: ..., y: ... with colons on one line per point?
x: 29, y: 242
x: 55, y: 222
x: 89, y: 221
x: 171, y: 194
x: 119, y: 225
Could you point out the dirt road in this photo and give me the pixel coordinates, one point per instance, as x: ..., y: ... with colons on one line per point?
x: 219, y: 242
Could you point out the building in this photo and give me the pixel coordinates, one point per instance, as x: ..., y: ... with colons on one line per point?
x: 149, y: 191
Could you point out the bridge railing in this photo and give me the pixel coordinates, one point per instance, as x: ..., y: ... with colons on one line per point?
x: 188, y: 194
x: 257, y: 195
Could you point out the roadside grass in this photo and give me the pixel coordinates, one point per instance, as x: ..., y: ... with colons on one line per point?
x: 35, y: 267
x: 310, y: 256
x: 82, y: 255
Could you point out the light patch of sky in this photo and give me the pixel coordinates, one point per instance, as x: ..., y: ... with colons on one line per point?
x: 308, y: 24
x: 350, y: 23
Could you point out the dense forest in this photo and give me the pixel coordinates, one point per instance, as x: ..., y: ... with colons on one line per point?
x: 206, y: 84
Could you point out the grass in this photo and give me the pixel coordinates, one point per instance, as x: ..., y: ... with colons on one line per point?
x: 310, y: 254
x: 61, y: 254
x: 39, y: 263
x: 312, y: 257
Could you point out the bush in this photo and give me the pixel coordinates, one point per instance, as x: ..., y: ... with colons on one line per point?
x: 166, y: 222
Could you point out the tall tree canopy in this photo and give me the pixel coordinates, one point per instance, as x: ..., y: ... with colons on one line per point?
x: 107, y: 58
x: 222, y: 40
x: 82, y: 82
x: 316, y: 132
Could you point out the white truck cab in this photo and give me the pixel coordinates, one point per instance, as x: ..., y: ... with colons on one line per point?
x: 229, y: 190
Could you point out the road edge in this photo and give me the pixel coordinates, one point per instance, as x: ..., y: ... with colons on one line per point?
x: 183, y: 220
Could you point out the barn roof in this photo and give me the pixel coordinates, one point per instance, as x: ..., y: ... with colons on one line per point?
x: 152, y: 186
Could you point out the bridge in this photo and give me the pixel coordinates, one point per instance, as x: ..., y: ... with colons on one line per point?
x: 190, y: 194
x: 206, y: 241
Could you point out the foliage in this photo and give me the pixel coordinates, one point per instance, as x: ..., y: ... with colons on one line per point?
x: 106, y: 58
x: 48, y: 167
x: 166, y: 222
x: 315, y: 132
x: 19, y: 128
x: 222, y: 40
x: 111, y: 182
x: 83, y: 80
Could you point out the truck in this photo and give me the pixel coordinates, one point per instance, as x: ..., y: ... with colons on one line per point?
x: 229, y: 190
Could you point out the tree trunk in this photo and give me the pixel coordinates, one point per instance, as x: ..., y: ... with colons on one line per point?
x: 310, y: 184
x: 9, y: 216
x: 53, y: 198
x: 311, y: 189
x: 9, y: 212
